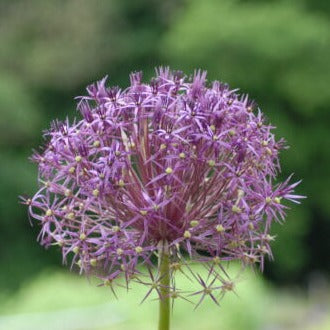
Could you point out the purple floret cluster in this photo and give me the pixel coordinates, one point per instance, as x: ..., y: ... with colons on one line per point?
x: 174, y: 161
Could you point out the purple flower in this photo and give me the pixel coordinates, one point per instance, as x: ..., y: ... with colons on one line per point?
x: 175, y: 162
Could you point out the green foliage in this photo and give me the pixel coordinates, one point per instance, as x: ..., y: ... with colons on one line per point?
x: 61, y: 299
x: 59, y: 43
x: 20, y: 119
x: 275, y: 49
x: 62, y: 44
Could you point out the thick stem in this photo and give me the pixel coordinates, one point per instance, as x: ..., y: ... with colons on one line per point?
x: 164, y: 281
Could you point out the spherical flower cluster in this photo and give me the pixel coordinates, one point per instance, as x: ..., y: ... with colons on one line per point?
x: 174, y: 163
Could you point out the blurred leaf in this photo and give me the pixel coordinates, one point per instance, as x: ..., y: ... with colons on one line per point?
x: 19, y: 119
x: 18, y: 177
x: 64, y: 43
x: 275, y: 47
x: 290, y: 253
x: 59, y: 43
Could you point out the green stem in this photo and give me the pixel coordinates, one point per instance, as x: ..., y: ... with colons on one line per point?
x: 164, y: 281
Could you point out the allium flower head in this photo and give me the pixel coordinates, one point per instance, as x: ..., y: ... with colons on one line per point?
x: 174, y: 162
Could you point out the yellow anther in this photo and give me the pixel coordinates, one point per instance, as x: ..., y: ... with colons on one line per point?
x: 250, y: 259
x: 67, y: 192
x: 79, y: 262
x: 233, y: 245
x: 101, y: 176
x: 117, y: 153
x: 240, y: 193
x: 60, y: 243
x: 194, y: 223
x: 187, y: 234
x: 269, y: 238
x: 228, y: 286
x: 115, y: 229
x: 76, y: 249
x: 269, y: 151
x: 121, y: 183
x: 107, y: 282
x: 232, y: 132
x: 236, y: 209
x: 263, y: 249
x: 216, y: 260
x: 120, y: 251
x: 143, y: 212
x: 138, y: 249
x: 264, y: 143
x: 72, y: 170
x: 219, y: 228
x: 277, y: 200
x: 96, y: 192
x: 215, y: 137
x: 49, y: 213
x: 211, y: 163
x: 162, y: 146
x: 96, y: 144
x: 77, y: 159
x: 182, y: 155
x: 207, y: 290
x: 212, y: 128
x: 82, y: 236
x: 251, y: 226
x: 169, y: 170
x: 93, y: 262
x: 70, y: 215
x: 268, y: 200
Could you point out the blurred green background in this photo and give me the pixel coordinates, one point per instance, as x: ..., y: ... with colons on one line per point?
x: 277, y: 51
